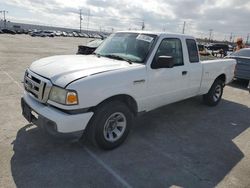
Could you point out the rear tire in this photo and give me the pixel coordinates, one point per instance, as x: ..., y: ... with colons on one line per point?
x: 213, y: 97
x: 110, y: 125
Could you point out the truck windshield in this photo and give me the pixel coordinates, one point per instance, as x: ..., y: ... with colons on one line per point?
x: 133, y: 47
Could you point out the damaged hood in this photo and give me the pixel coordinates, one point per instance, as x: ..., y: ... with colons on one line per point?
x: 64, y: 69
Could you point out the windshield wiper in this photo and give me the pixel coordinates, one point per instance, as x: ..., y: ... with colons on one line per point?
x: 118, y: 58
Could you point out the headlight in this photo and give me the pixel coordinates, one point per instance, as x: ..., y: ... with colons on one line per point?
x: 63, y: 96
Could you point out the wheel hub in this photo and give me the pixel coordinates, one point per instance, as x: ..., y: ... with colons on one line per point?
x: 114, y: 126
x: 217, y: 93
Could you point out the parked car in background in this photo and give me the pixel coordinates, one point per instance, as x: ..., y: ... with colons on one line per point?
x: 218, y: 49
x: 75, y: 34
x: 80, y: 35
x: 19, y: 31
x: 202, y: 50
x: 218, y: 46
x: 91, y: 35
x: 85, y: 35
x: 48, y: 33
x: 64, y: 34
x: 204, y: 53
x: 42, y: 34
x: 35, y: 33
x: 242, y: 69
x: 97, y: 36
x: 58, y: 33
x: 89, y: 48
x: 70, y: 34
x: 26, y: 31
x: 230, y: 48
x: 8, y: 31
x: 104, y: 35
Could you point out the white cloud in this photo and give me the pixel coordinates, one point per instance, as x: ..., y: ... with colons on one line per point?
x: 224, y: 16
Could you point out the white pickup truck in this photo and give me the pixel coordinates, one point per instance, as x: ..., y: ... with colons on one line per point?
x: 129, y: 73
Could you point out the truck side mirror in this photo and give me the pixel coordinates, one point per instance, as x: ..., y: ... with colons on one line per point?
x: 164, y: 62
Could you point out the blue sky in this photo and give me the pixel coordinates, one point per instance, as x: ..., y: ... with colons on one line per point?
x: 224, y: 16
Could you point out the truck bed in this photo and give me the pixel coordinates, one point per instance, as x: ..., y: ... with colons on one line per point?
x: 211, y: 70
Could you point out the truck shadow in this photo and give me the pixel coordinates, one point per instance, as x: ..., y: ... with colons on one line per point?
x: 184, y: 144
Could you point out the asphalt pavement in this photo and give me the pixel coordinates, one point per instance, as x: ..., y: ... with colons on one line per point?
x: 185, y: 144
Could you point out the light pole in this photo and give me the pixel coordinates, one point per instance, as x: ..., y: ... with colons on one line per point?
x: 4, y: 18
x: 210, y: 34
x: 143, y: 25
x: 80, y: 20
x: 247, y: 42
x: 183, y: 29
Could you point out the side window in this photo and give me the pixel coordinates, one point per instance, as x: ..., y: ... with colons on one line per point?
x: 192, y: 51
x: 170, y: 47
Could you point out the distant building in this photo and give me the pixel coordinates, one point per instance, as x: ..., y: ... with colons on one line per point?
x: 19, y: 26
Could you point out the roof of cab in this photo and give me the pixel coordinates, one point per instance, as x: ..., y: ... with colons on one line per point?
x: 158, y: 33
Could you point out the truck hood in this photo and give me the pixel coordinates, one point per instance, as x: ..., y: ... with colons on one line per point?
x: 64, y: 69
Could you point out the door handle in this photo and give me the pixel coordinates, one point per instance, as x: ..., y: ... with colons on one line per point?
x: 184, y: 73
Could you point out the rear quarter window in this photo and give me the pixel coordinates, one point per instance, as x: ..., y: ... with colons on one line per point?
x: 192, y: 51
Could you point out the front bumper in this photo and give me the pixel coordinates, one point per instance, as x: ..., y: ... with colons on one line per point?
x: 52, y: 120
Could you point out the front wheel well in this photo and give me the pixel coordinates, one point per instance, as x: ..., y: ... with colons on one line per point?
x: 126, y: 99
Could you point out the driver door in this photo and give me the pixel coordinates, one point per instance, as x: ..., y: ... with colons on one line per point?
x: 167, y: 85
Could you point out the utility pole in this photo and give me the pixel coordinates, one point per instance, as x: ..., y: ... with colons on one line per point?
x: 247, y: 38
x: 80, y: 20
x: 231, y: 37
x: 210, y: 34
x: 4, y: 18
x: 143, y: 25
x: 88, y: 20
x: 183, y: 29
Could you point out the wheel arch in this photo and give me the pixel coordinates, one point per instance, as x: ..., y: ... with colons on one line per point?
x: 222, y: 77
x: 124, y: 98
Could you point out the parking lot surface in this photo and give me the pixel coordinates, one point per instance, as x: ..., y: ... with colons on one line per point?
x: 186, y: 144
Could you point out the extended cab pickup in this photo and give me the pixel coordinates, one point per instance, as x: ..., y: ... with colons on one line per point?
x: 129, y: 73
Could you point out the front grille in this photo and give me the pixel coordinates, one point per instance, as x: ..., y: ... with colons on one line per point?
x: 37, y: 86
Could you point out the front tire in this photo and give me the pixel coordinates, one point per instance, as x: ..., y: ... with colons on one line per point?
x: 110, y: 125
x: 213, y: 97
